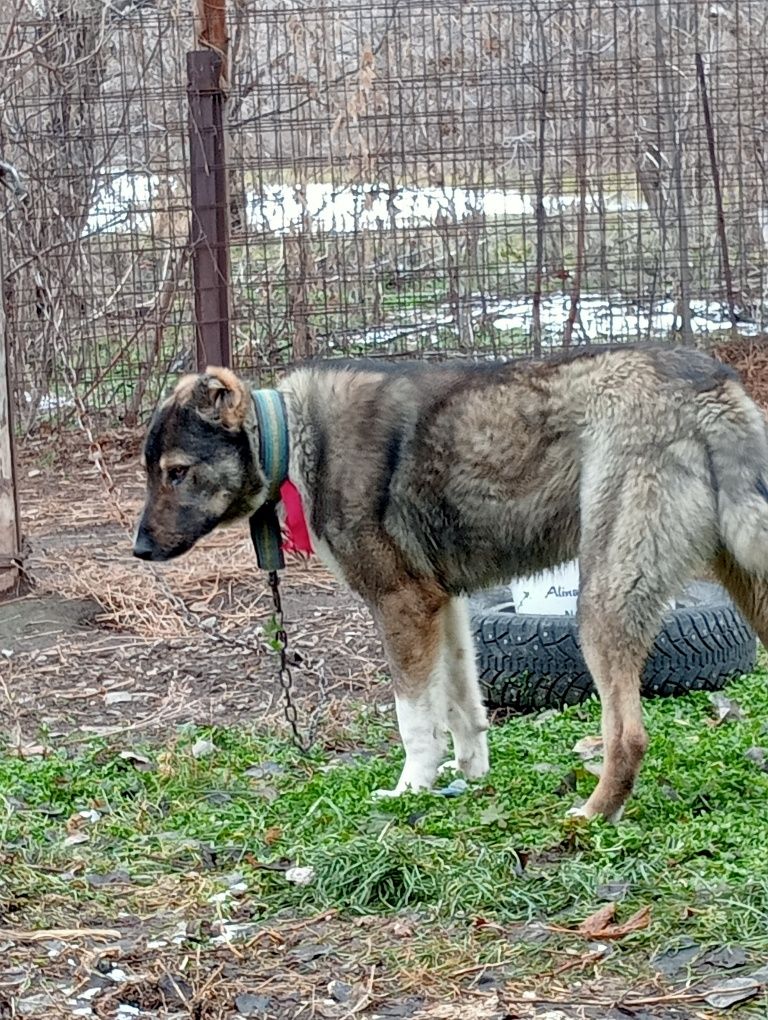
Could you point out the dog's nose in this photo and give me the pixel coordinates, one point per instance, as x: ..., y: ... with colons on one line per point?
x: 143, y: 546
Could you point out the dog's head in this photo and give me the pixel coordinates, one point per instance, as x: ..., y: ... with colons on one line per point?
x: 200, y: 464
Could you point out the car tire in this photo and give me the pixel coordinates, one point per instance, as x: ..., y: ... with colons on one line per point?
x: 528, y: 663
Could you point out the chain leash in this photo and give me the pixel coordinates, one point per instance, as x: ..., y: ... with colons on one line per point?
x: 280, y: 642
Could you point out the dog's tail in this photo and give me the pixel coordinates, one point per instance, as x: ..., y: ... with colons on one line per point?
x: 738, y: 450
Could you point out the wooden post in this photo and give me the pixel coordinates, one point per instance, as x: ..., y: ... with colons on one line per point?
x: 207, y: 83
x: 211, y: 30
x: 10, y: 534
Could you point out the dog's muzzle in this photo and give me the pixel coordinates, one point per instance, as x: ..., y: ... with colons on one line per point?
x: 143, y: 545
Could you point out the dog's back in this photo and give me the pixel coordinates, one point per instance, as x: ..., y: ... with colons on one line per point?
x: 477, y: 472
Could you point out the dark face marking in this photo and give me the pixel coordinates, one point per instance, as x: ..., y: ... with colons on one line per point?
x: 199, y: 475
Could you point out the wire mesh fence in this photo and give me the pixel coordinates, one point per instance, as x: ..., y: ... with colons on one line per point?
x: 428, y: 178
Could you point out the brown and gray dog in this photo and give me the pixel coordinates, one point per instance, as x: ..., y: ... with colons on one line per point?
x: 425, y: 483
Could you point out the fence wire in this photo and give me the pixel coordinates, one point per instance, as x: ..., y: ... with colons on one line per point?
x: 428, y: 178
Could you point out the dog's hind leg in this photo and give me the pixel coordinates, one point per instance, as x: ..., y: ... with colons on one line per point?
x: 466, y: 715
x: 413, y: 628
x: 615, y: 662
x: 649, y: 525
x: 750, y: 593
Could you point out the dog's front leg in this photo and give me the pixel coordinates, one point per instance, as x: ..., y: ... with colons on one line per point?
x: 467, y: 718
x: 424, y: 739
x: 412, y: 625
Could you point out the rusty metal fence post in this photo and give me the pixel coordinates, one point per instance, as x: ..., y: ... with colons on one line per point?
x: 210, y: 206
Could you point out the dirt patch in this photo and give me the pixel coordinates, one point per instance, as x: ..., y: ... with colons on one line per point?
x: 106, y: 643
x: 174, y: 967
x: 35, y: 623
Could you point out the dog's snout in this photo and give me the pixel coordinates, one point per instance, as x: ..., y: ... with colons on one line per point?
x: 143, y: 544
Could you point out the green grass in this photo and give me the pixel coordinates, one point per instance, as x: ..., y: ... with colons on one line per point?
x: 692, y: 844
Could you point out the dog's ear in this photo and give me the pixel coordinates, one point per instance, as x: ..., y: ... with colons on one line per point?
x: 217, y: 395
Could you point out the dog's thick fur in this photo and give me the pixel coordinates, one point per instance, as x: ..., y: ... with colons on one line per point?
x: 422, y: 484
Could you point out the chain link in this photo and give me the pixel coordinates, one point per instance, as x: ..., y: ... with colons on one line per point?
x: 284, y: 670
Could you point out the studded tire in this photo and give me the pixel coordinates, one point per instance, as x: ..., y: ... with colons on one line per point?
x: 528, y: 663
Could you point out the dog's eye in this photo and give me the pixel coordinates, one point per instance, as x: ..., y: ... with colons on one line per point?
x: 177, y: 474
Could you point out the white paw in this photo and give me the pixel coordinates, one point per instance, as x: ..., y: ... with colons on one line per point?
x: 383, y: 794
x: 577, y: 812
x: 474, y: 766
x: 477, y: 765
x: 401, y: 789
x: 581, y: 812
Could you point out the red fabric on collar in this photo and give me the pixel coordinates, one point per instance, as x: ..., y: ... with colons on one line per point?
x: 295, y: 532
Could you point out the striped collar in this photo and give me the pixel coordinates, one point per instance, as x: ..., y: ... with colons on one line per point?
x: 273, y: 439
x: 273, y: 458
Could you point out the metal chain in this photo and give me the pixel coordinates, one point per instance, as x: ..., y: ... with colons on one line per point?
x: 280, y: 638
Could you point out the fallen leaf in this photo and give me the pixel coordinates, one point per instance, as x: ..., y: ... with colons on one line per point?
x: 544, y: 717
x: 118, y: 697
x: 339, y: 992
x: 139, y: 761
x: 669, y: 792
x: 300, y: 876
x: 726, y: 709
x: 493, y: 815
x: 728, y: 993
x: 599, y: 925
x: 677, y: 958
x: 597, y: 922
x: 32, y: 750
x: 35, y: 1005
x: 727, y: 957
x: 118, y: 877
x: 76, y: 838
x: 758, y: 756
x: 637, y: 922
x: 175, y: 989
x: 588, y: 748
x: 614, y: 891
x: 396, y: 1010
x: 311, y: 951
x: 79, y: 819
x: 251, y: 1005
x: 202, y: 748
x: 264, y: 769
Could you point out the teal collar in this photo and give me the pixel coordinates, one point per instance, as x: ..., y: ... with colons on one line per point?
x: 273, y: 459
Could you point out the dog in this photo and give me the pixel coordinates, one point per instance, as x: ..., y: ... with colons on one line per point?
x: 424, y: 483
